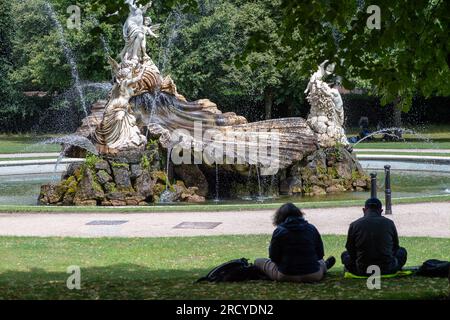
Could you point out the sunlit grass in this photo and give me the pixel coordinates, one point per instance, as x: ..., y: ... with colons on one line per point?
x: 165, y: 268
x: 26, y: 144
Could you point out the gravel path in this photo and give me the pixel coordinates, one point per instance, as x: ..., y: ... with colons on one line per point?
x: 426, y: 219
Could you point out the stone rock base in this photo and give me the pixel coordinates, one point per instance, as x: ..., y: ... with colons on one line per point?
x: 326, y: 171
x: 136, y: 178
x: 126, y: 179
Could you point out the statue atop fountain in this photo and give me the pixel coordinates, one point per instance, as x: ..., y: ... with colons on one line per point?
x: 136, y: 73
x: 135, y: 30
x: 326, y: 116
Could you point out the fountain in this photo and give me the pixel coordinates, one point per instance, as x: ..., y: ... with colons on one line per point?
x: 68, y: 54
x: 145, y: 119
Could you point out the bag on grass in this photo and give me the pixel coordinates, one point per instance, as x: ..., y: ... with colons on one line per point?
x: 434, y: 268
x: 234, y: 271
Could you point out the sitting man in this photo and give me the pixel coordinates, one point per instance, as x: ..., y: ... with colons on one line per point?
x: 373, y: 240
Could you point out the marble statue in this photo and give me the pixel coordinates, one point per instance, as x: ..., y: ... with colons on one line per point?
x: 135, y: 74
x: 118, y: 129
x: 326, y: 117
x: 135, y: 30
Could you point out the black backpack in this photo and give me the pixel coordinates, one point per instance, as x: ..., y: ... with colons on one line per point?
x: 234, y: 271
x: 434, y: 268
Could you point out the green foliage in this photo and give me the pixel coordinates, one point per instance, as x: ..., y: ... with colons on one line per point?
x: 152, y: 144
x: 91, y: 160
x: 119, y: 165
x: 396, y: 60
x: 207, y: 58
x: 41, y: 64
x: 238, y: 53
x: 8, y: 93
x: 145, y: 163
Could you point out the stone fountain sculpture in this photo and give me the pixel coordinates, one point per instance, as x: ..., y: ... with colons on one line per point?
x: 326, y: 116
x: 149, y: 138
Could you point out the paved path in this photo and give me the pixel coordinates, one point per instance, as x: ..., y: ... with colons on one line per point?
x: 428, y: 219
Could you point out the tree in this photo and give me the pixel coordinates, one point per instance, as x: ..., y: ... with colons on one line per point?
x: 6, y: 47
x: 397, y: 59
x: 206, y: 59
x: 7, y: 92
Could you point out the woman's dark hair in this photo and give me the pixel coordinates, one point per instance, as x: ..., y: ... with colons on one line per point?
x: 285, y: 211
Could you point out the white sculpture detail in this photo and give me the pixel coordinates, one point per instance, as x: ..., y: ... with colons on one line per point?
x: 118, y: 129
x: 135, y: 30
x: 326, y: 116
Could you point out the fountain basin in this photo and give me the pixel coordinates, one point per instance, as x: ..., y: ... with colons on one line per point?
x: 24, y: 190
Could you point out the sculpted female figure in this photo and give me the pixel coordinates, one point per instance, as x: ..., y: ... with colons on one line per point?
x: 134, y: 32
x: 118, y: 129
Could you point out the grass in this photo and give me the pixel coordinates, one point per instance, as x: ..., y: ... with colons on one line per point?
x: 210, y: 207
x: 438, y: 134
x: 404, y: 153
x: 26, y: 144
x: 409, y: 144
x: 165, y: 268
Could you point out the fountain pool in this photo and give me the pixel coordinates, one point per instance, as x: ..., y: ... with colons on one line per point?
x: 24, y: 190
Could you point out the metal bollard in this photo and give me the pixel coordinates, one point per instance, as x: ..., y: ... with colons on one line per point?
x: 387, y: 190
x: 373, y: 185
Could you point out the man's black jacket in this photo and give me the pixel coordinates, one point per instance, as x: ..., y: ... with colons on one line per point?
x: 296, y: 247
x: 373, y: 240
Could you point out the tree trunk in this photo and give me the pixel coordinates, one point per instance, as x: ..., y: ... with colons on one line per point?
x: 397, y: 115
x: 268, y: 102
x: 290, y: 107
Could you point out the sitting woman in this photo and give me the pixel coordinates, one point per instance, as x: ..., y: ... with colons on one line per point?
x: 296, y: 250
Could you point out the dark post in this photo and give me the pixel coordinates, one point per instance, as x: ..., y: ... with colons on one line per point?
x: 373, y: 185
x: 387, y: 189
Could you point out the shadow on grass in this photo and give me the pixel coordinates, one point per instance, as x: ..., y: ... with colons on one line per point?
x: 131, y: 281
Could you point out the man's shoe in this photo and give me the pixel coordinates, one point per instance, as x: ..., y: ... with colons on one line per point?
x: 330, y: 262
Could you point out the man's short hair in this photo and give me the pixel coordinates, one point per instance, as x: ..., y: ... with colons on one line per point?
x: 374, y: 204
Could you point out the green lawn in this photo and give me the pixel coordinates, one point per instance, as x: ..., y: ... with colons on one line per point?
x: 404, y: 153
x: 409, y: 144
x: 439, y: 136
x: 165, y: 268
x: 26, y: 144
